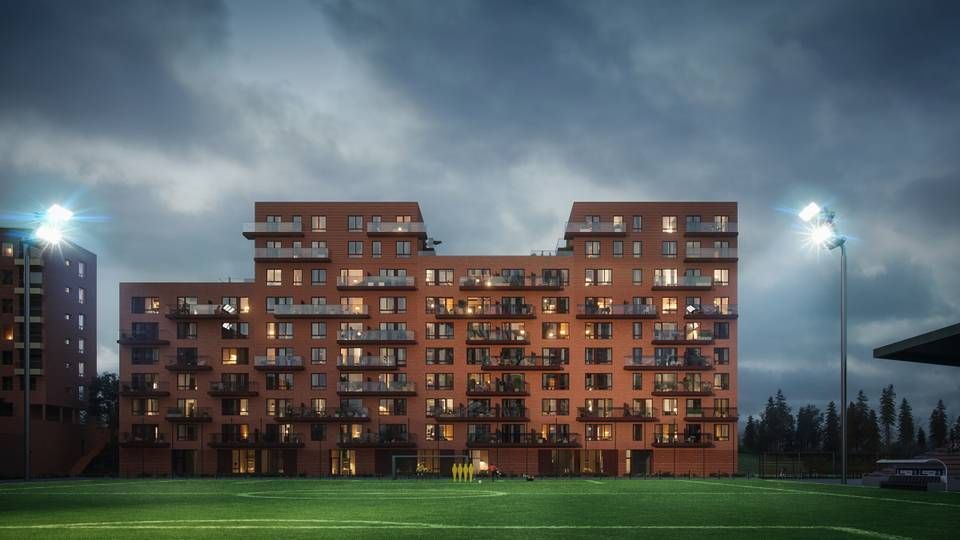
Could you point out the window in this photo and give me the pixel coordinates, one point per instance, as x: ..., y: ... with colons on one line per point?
x: 8, y: 249
x: 721, y: 432
x: 234, y: 330
x: 637, y: 223
x: 283, y: 330
x: 234, y: 356
x: 393, y: 304
x: 376, y: 249
x: 598, y: 381
x: 637, y: 249
x: 318, y: 355
x: 556, y: 330
x: 555, y: 304
x: 81, y: 345
x: 274, y: 277
x: 638, y: 432
x: 618, y: 248
x: 318, y: 381
x: 81, y: 269
x: 638, y: 381
x: 144, y: 355
x: 599, y: 432
x: 318, y: 276
x: 318, y: 330
x: 439, y: 432
x: 439, y: 330
x: 598, y: 276
x: 721, y: 381
x: 318, y: 223
x: 442, y: 277
x: 721, y: 355
x: 598, y: 330
x: 355, y: 223
x: 637, y: 330
x: 355, y: 248
x: 440, y: 356
x: 669, y: 249
x: 670, y: 407
x: 186, y: 330
x: 403, y: 248
x: 555, y: 407
x: 721, y: 330
x: 592, y: 248
x: 556, y: 381
x: 81, y: 318
x: 439, y: 381
x: 668, y: 305
x: 598, y: 356
x: 669, y: 224
x: 721, y: 277
x: 279, y: 381
x: 81, y: 295
x: 392, y: 407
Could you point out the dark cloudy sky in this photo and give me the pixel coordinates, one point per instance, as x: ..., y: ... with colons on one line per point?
x: 171, y: 118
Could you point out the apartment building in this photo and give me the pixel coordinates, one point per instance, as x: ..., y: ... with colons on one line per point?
x: 355, y: 343
x: 63, y: 353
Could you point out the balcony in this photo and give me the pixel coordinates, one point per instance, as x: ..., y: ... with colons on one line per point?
x: 710, y: 311
x: 688, y: 362
x: 684, y: 283
x: 617, y: 311
x: 233, y: 389
x: 144, y: 389
x: 143, y: 338
x: 685, y: 387
x: 376, y: 388
x: 308, y: 415
x: 367, y: 363
x: 495, y: 413
x: 497, y: 336
x: 137, y: 440
x: 710, y: 229
x: 711, y: 414
x: 522, y: 440
x: 261, y: 440
x: 188, y: 365
x: 278, y: 363
x: 188, y: 415
x: 387, y: 228
x: 202, y: 311
x: 532, y: 282
x: 498, y: 387
x: 271, y: 229
x: 594, y: 228
x: 681, y: 337
x: 711, y: 254
x: 320, y: 311
x: 530, y: 363
x: 380, y: 283
x: 291, y: 254
x: 494, y: 311
x: 616, y: 414
x: 378, y: 440
x: 682, y: 440
x: 376, y: 337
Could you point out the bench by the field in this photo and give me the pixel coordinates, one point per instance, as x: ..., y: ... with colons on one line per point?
x: 924, y: 474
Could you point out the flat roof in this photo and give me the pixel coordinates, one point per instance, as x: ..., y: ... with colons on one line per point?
x: 940, y: 347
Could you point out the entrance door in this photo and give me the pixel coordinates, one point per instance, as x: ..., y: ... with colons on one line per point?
x: 640, y: 462
x: 183, y: 462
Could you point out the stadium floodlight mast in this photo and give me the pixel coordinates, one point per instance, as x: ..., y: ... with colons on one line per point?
x: 823, y: 233
x: 49, y: 233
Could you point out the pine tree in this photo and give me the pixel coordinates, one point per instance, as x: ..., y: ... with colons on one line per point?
x: 809, y: 428
x: 955, y: 436
x: 872, y: 441
x: 938, y: 426
x: 750, y: 435
x: 906, y: 430
x: 921, y: 441
x: 831, y: 429
x: 853, y: 428
x: 888, y: 414
x: 777, y: 424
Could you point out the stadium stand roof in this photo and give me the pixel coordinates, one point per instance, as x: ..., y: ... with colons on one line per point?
x: 940, y: 347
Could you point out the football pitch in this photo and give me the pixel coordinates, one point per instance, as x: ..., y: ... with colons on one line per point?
x: 441, y: 509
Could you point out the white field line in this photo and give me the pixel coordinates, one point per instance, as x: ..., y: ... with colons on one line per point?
x: 248, y: 524
x: 824, y: 493
x: 69, y: 484
x: 594, y: 482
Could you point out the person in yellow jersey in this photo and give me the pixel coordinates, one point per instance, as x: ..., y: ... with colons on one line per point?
x: 470, y: 472
x: 456, y: 471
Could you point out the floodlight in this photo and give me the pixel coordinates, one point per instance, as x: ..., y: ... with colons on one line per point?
x: 809, y: 212
x: 50, y: 234
x: 58, y: 214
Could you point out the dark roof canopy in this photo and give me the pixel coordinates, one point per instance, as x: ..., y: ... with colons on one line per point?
x: 938, y: 347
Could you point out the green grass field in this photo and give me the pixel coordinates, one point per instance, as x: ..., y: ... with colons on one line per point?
x: 279, y: 508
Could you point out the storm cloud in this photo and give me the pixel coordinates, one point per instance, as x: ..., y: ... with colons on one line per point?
x: 172, y: 118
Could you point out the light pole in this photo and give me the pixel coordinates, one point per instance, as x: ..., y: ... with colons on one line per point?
x: 823, y: 233
x: 50, y: 232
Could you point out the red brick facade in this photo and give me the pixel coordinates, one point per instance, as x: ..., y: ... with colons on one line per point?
x: 355, y: 342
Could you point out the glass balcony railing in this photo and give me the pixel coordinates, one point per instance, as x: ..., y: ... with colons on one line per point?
x: 305, y: 414
x: 681, y: 439
x: 376, y: 439
x: 479, y: 412
x: 595, y: 227
x: 498, y: 387
x: 523, y: 439
x: 233, y: 387
x: 186, y: 413
x: 507, y: 282
x: 367, y: 362
x: 493, y: 310
x: 291, y: 253
x: 711, y: 413
x: 144, y: 387
x: 319, y: 310
x: 376, y: 335
x: 387, y: 227
x: 615, y: 310
x: 666, y: 362
x: 375, y: 282
x: 683, y: 281
x: 710, y: 310
x: 201, y: 310
x: 685, y: 385
x: 289, y: 227
x: 625, y: 413
x: 376, y: 387
x: 710, y: 227
x: 700, y: 334
x: 278, y: 361
x: 712, y: 253
x: 497, y: 334
x: 532, y: 361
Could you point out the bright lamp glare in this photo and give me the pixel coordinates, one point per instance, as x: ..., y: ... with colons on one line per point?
x: 821, y: 235
x: 49, y: 234
x: 58, y: 214
x: 809, y: 212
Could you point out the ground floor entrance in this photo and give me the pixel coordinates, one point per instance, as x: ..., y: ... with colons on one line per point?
x: 267, y: 461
